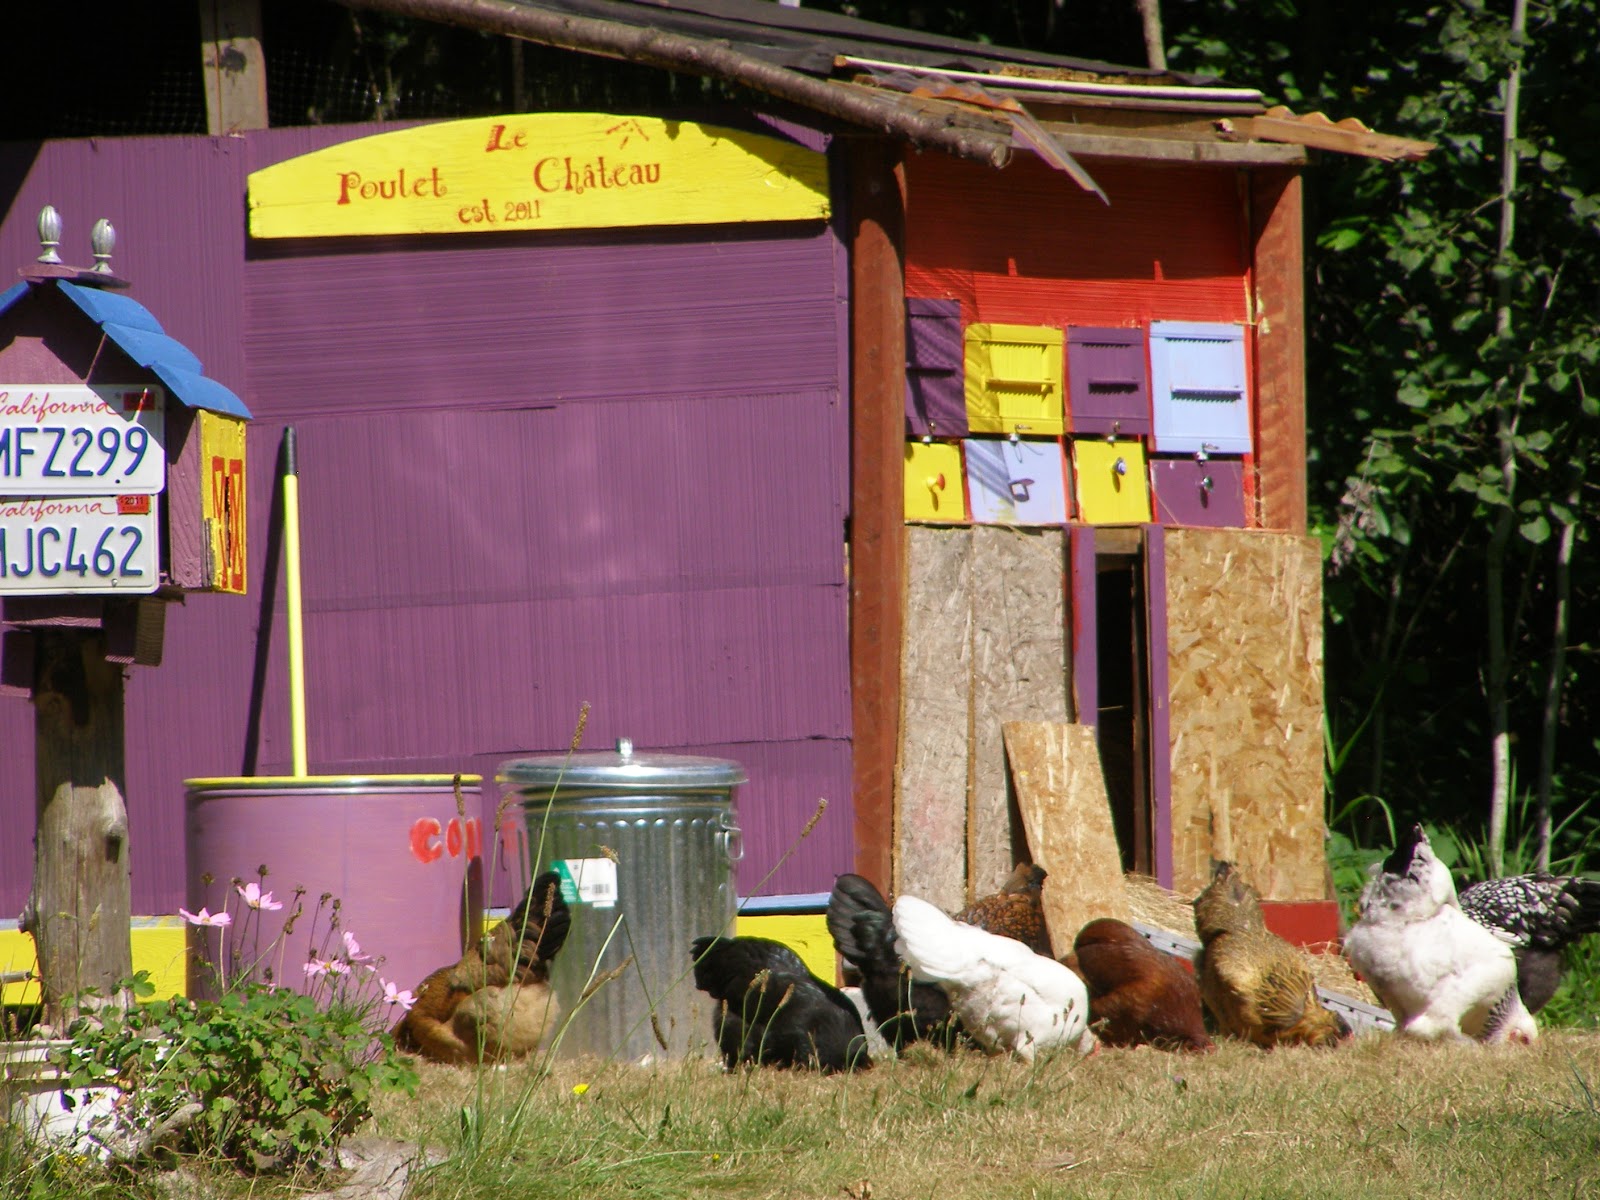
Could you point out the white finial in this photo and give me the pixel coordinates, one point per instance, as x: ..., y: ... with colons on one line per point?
x: 49, y: 234
x: 625, y: 747
x: 102, y: 239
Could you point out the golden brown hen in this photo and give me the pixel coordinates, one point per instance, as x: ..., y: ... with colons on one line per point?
x: 1256, y: 985
x: 496, y: 1002
x: 1015, y: 911
x: 1138, y: 995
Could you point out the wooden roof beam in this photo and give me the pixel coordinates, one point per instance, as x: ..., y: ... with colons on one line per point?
x: 697, y: 56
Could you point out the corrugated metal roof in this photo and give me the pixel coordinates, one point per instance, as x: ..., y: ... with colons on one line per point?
x: 134, y: 330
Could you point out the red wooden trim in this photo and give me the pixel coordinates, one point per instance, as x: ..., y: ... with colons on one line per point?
x: 1278, y: 274
x: 877, y: 501
x: 1313, y: 924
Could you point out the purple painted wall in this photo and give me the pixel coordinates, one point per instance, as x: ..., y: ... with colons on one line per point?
x: 534, y: 471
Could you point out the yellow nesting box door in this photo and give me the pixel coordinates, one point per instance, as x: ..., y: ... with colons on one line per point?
x: 935, y: 485
x: 1014, y: 376
x: 222, y: 497
x: 1112, y: 482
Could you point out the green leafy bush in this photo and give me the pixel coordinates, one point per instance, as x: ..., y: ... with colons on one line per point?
x: 279, y: 1078
x: 264, y: 1076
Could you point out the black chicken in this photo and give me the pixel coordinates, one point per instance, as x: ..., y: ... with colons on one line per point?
x: 771, y: 1009
x: 863, y: 932
x: 1541, y: 915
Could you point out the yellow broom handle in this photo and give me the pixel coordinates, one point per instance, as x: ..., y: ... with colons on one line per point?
x: 297, y: 646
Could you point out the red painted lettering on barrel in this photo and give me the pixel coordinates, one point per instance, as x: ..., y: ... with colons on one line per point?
x: 425, y: 845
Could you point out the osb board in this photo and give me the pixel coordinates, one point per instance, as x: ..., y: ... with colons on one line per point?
x: 1061, y: 794
x: 1019, y: 673
x: 1244, y: 652
x: 930, y: 824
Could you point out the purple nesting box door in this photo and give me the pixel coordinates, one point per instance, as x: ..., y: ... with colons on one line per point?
x: 936, y: 403
x: 1204, y: 492
x: 1108, y: 385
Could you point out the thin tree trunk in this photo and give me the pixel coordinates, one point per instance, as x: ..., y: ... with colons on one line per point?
x: 1150, y: 18
x: 1554, y: 683
x: 1505, y: 429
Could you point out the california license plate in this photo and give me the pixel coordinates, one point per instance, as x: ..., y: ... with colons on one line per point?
x: 76, y: 440
x: 78, y: 544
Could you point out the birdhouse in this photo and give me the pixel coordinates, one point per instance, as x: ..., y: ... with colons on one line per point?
x: 122, y: 466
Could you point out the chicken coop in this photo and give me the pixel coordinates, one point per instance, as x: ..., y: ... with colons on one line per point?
x: 950, y: 388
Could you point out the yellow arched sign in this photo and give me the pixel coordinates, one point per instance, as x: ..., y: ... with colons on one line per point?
x: 538, y: 171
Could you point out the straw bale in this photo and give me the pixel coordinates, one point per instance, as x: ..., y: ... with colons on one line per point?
x: 1244, y: 647
x: 1019, y: 673
x: 1061, y: 794
x: 930, y: 821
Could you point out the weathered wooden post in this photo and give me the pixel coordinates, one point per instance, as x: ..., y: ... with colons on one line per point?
x: 121, y: 488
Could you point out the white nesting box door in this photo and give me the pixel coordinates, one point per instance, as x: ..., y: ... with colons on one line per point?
x: 1199, y: 391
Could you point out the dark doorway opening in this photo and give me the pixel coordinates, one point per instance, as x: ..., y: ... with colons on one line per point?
x: 1123, y: 720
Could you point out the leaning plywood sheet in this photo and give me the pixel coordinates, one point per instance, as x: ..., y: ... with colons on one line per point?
x: 1061, y: 793
x: 1019, y: 673
x: 930, y: 824
x: 1244, y: 652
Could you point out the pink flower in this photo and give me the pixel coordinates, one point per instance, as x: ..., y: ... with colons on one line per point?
x: 256, y: 898
x: 393, y: 995
x: 317, y: 967
x: 338, y: 966
x: 206, y: 917
x: 352, y: 948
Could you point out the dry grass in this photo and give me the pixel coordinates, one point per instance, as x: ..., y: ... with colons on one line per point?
x: 1382, y: 1117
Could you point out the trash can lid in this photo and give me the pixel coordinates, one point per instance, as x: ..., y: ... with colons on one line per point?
x: 623, y: 769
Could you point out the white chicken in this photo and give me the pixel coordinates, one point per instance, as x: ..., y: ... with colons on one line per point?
x: 1007, y: 997
x: 1438, y: 971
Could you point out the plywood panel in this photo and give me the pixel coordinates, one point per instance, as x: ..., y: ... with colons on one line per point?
x: 931, y: 804
x: 1019, y: 673
x: 1061, y: 794
x: 1244, y: 643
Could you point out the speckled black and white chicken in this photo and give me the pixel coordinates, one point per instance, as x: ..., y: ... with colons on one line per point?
x: 1437, y: 970
x: 1542, y: 915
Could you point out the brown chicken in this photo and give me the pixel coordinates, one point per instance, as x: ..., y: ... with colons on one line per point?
x: 1015, y: 911
x: 495, y: 1003
x: 1256, y: 985
x: 1138, y: 995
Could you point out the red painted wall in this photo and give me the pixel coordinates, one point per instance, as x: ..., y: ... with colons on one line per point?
x: 1170, y: 245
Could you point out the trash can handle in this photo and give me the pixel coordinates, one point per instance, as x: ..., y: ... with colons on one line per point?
x: 731, y: 837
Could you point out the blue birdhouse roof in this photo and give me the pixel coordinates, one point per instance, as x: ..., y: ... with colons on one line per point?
x: 134, y: 330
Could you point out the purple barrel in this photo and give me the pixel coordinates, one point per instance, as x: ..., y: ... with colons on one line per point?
x: 401, y: 854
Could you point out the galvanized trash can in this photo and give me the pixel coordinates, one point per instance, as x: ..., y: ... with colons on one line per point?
x: 645, y: 845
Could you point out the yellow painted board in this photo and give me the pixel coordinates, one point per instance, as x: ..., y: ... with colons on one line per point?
x: 535, y: 171
x: 804, y: 933
x: 159, y: 948
x: 158, y: 945
x: 936, y: 487
x: 1109, y: 494
x: 1013, y: 378
x: 222, y: 495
